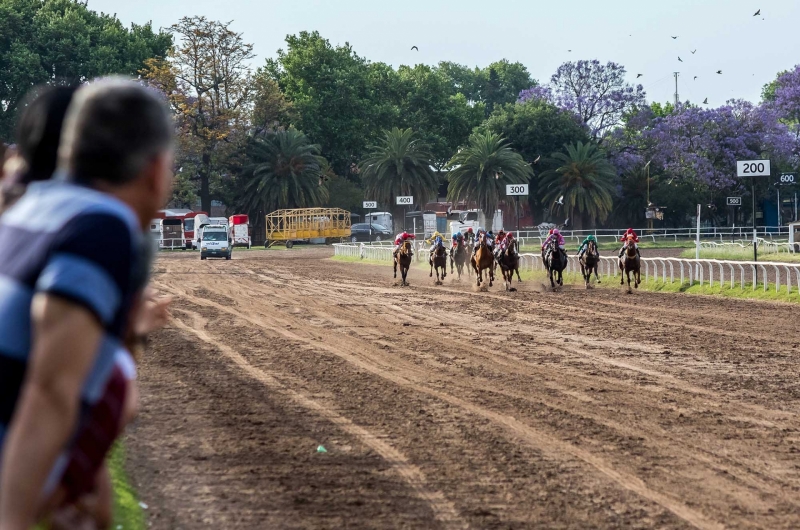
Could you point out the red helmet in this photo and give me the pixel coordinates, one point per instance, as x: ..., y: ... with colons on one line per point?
x: 551, y: 231
x: 469, y: 230
x: 510, y: 235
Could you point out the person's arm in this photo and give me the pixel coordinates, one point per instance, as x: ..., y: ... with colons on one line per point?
x: 66, y: 339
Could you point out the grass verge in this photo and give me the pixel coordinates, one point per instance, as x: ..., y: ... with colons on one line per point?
x: 612, y: 282
x: 128, y: 515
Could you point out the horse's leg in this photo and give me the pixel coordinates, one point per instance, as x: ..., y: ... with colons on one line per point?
x: 395, y: 267
x: 621, y: 273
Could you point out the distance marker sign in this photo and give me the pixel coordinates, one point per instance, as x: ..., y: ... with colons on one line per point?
x: 752, y: 168
x: 370, y: 205
x: 734, y: 201
x: 787, y: 178
x: 405, y: 201
x: 516, y: 189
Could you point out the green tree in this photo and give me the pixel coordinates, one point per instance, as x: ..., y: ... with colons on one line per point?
x: 283, y: 170
x: 207, y: 80
x: 480, y: 171
x: 342, y: 101
x: 400, y: 164
x: 495, y: 85
x: 582, y: 185
x: 441, y: 118
x: 63, y: 41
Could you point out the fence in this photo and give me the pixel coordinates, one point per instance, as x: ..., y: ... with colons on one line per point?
x: 667, y: 270
x: 700, y: 271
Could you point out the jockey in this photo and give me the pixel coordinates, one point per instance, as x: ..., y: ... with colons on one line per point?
x: 457, y: 236
x: 585, y: 244
x: 476, y: 243
x: 629, y: 233
x: 435, y: 240
x: 400, y: 239
x: 499, y: 243
x: 490, y: 239
x: 508, y: 242
x: 470, y: 236
x: 555, y: 235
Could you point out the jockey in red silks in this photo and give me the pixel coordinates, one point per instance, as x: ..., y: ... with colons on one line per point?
x: 554, y: 235
x: 400, y: 239
x: 498, y: 242
x: 629, y: 232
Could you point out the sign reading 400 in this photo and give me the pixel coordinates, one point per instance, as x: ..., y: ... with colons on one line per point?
x: 405, y: 201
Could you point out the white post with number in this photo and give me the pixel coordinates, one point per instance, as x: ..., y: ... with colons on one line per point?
x: 370, y: 205
x: 517, y: 190
x: 406, y: 201
x: 697, y: 240
x: 753, y: 168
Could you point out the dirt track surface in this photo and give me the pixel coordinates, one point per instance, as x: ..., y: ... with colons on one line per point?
x: 443, y: 407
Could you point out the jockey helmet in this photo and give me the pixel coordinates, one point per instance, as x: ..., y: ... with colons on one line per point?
x: 491, y: 233
x: 555, y: 232
x: 510, y: 235
x: 469, y: 230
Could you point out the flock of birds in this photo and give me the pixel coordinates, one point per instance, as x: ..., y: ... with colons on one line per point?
x: 719, y: 72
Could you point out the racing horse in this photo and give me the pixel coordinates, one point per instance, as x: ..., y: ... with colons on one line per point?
x: 555, y: 262
x: 629, y: 263
x: 509, y: 263
x: 458, y: 257
x: 483, y: 260
x: 589, y: 263
x: 439, y: 260
x: 403, y: 258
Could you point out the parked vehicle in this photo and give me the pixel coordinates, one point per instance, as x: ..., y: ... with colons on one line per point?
x: 216, y: 242
x: 219, y: 221
x: 240, y: 230
x: 381, y: 218
x: 360, y: 232
x: 172, y: 234
x: 193, y: 223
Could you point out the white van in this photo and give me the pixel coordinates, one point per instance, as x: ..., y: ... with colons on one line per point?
x: 218, y: 221
x: 216, y: 242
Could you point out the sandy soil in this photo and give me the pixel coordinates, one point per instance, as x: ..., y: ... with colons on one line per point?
x: 444, y: 407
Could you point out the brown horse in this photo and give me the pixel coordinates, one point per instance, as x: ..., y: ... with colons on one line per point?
x: 483, y: 260
x: 509, y: 263
x: 629, y: 263
x: 439, y: 261
x: 458, y: 257
x: 403, y: 258
x: 589, y: 262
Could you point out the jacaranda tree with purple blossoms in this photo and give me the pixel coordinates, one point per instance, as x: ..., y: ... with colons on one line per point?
x: 597, y: 93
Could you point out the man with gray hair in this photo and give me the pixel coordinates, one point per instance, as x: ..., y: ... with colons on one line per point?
x: 73, y: 270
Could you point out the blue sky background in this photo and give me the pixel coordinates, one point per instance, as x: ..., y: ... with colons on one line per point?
x: 749, y: 50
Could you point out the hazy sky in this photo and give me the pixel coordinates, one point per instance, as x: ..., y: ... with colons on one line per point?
x: 749, y: 50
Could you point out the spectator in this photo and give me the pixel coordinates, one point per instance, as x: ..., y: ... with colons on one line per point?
x: 69, y: 284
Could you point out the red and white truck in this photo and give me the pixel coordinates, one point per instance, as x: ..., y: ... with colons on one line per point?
x: 239, y: 226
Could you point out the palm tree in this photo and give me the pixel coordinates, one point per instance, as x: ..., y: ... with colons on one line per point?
x: 283, y: 170
x: 480, y: 171
x: 399, y: 165
x: 582, y: 186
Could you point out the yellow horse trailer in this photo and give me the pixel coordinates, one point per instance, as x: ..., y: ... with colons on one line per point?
x: 303, y: 224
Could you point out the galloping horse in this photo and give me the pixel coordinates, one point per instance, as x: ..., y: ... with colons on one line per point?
x: 629, y: 263
x: 483, y: 260
x: 589, y: 262
x: 459, y: 258
x: 555, y: 262
x: 509, y: 263
x: 439, y: 261
x: 403, y: 258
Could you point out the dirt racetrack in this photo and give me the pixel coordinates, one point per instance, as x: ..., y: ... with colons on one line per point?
x: 443, y: 407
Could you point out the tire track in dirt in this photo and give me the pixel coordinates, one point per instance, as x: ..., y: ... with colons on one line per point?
x: 444, y: 510
x: 541, y: 441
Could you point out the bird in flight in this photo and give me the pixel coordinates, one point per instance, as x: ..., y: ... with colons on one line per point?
x: 719, y: 72
x: 679, y: 58
x: 705, y: 101
x: 693, y: 51
x: 414, y: 48
x: 569, y: 50
x: 695, y: 78
x: 757, y: 13
x: 537, y: 159
x: 673, y: 37
x: 639, y: 75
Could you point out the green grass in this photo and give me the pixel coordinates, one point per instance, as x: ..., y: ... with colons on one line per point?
x: 128, y: 515
x: 740, y: 254
x: 612, y: 282
x: 606, y: 245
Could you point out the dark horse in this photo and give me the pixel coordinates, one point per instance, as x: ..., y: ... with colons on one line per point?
x: 439, y: 261
x: 556, y: 262
x: 589, y: 262
x: 629, y: 263
x: 403, y: 258
x: 483, y: 260
x: 459, y: 256
x: 509, y: 263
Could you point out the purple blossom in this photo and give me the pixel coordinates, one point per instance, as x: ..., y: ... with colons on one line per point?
x: 597, y: 93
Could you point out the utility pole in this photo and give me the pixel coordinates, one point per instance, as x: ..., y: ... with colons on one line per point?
x: 676, y: 89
